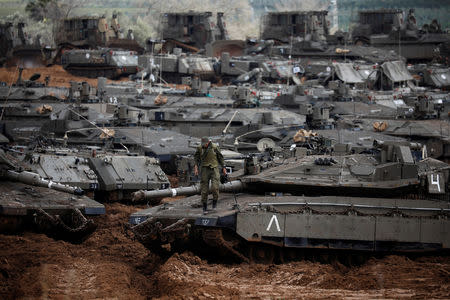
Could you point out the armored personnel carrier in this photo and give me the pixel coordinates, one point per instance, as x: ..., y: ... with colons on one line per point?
x: 274, y: 226
x: 104, y: 62
x: 387, y: 29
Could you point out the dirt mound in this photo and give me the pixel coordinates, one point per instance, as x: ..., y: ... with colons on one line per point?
x: 111, y: 264
x: 108, y: 264
x: 185, y: 276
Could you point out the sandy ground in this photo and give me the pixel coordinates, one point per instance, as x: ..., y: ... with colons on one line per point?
x: 110, y: 264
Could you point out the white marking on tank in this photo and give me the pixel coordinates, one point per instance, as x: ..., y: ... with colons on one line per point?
x: 274, y: 217
x: 174, y: 192
x: 436, y: 182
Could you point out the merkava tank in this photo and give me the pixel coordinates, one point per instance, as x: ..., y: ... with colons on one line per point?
x: 121, y: 175
x: 24, y: 120
x: 17, y: 49
x: 388, y: 29
x: 104, y: 62
x: 30, y: 202
x: 305, y: 34
x: 105, y: 176
x: 196, y: 31
x: 287, y: 223
x: 200, y: 117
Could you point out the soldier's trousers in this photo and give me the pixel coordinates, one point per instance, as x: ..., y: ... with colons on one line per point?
x: 207, y: 175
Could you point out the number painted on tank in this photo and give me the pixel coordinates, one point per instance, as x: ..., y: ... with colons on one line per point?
x: 436, y: 182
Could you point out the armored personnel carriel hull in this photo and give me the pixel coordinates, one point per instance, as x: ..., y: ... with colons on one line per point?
x: 100, y: 63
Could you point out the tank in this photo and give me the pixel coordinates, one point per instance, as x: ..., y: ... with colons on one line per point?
x: 66, y: 169
x: 105, y: 62
x: 103, y: 176
x: 90, y: 33
x: 318, y: 206
x: 279, y: 228
x: 30, y: 202
x: 120, y: 175
x: 388, y: 29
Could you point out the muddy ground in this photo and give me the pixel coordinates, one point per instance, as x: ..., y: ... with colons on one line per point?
x: 110, y: 264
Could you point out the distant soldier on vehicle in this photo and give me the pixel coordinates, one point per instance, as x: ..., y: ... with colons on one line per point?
x: 208, y: 158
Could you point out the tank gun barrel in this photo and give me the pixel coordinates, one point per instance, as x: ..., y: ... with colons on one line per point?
x: 35, y: 179
x: 232, y: 186
x: 383, y: 144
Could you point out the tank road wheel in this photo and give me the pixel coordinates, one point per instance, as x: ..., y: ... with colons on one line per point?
x: 262, y: 253
x: 291, y: 254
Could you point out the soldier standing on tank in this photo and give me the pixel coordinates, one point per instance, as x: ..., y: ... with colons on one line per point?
x: 208, y: 158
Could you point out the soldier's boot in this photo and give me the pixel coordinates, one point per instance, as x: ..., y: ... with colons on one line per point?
x: 205, y: 208
x: 214, y: 203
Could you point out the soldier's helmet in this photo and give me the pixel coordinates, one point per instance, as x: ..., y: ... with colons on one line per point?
x: 205, y: 140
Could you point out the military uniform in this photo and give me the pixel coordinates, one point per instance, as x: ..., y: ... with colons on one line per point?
x: 208, y: 160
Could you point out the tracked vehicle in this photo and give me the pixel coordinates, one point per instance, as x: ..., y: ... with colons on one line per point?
x: 92, y: 33
x: 305, y: 34
x: 17, y: 50
x: 388, y: 29
x: 31, y: 202
x: 195, y: 32
x: 263, y: 228
x: 103, y: 176
x: 105, y: 62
